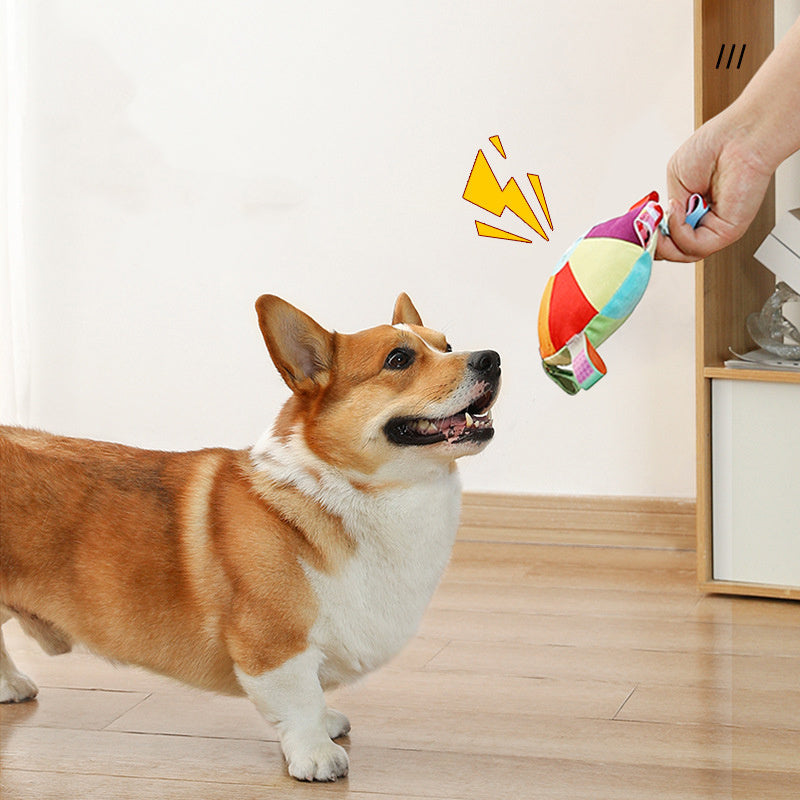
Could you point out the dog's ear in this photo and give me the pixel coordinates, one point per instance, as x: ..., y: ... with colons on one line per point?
x: 301, y: 349
x: 405, y: 313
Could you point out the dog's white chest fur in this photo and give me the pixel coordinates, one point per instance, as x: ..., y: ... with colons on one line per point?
x: 373, y: 606
x: 370, y: 607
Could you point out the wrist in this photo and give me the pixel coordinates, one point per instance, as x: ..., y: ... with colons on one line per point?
x: 753, y: 136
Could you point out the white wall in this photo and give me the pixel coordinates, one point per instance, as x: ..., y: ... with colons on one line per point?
x: 183, y: 157
x: 14, y: 341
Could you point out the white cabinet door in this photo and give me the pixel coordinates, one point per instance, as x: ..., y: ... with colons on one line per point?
x: 756, y: 482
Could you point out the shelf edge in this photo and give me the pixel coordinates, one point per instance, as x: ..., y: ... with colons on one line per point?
x: 763, y: 375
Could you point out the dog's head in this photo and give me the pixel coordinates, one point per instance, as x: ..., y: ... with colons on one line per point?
x: 391, y: 394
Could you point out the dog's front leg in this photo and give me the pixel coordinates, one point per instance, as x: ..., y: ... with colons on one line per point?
x: 291, y: 698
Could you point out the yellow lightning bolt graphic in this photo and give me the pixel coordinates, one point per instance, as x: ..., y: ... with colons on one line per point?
x: 498, y: 233
x: 484, y: 191
x: 498, y: 145
x: 536, y: 185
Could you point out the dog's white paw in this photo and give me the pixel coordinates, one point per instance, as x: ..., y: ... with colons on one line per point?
x: 325, y: 761
x: 16, y: 687
x: 336, y: 723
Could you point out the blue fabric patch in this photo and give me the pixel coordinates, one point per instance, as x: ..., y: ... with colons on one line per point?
x: 631, y: 290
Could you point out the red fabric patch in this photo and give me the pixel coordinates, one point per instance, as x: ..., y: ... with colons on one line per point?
x: 570, y: 311
x: 646, y: 199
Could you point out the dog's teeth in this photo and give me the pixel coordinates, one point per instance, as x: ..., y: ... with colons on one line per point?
x: 426, y: 426
x: 469, y: 419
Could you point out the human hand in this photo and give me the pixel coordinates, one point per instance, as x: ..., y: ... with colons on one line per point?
x: 718, y: 162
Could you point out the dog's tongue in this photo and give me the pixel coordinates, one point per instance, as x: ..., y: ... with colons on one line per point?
x: 453, y: 427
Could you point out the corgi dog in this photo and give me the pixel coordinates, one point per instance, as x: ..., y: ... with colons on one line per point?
x: 277, y: 572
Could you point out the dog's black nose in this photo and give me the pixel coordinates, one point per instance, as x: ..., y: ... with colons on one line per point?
x: 486, y: 363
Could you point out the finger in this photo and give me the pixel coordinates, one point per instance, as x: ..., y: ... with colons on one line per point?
x: 686, y: 243
x: 667, y: 250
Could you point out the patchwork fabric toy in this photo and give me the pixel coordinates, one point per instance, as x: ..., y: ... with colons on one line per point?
x: 596, y: 286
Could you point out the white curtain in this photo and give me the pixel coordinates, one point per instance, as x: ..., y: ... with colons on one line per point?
x: 14, y: 334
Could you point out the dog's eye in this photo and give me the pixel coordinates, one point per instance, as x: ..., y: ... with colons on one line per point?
x: 399, y: 358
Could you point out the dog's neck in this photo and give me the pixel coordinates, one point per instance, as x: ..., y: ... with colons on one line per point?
x: 362, y: 501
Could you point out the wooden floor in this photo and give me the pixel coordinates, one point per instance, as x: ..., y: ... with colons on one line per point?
x: 551, y: 670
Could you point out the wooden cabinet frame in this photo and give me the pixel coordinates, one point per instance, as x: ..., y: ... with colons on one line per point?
x: 730, y: 284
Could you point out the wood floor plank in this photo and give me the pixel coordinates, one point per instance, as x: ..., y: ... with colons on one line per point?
x: 584, y: 567
x: 527, y: 734
x: 528, y: 597
x: 142, y: 756
x: 187, y: 713
x: 22, y: 784
x: 613, y: 632
x: 778, y: 709
x: 90, y: 709
x: 428, y: 693
x: 715, y: 670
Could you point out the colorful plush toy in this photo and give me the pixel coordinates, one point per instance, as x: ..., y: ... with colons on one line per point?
x: 596, y: 286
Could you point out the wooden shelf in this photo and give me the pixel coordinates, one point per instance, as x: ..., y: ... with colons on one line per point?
x: 763, y: 375
x: 730, y: 284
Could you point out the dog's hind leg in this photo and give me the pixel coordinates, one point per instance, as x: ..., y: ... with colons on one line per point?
x: 14, y: 685
x: 53, y: 641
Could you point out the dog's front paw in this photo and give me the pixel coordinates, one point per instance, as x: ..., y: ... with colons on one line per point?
x: 16, y: 687
x: 336, y: 723
x: 325, y: 761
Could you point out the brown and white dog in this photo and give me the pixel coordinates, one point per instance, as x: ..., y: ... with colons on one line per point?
x: 278, y: 572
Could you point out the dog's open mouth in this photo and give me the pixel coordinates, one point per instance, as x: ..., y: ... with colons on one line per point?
x: 473, y: 423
